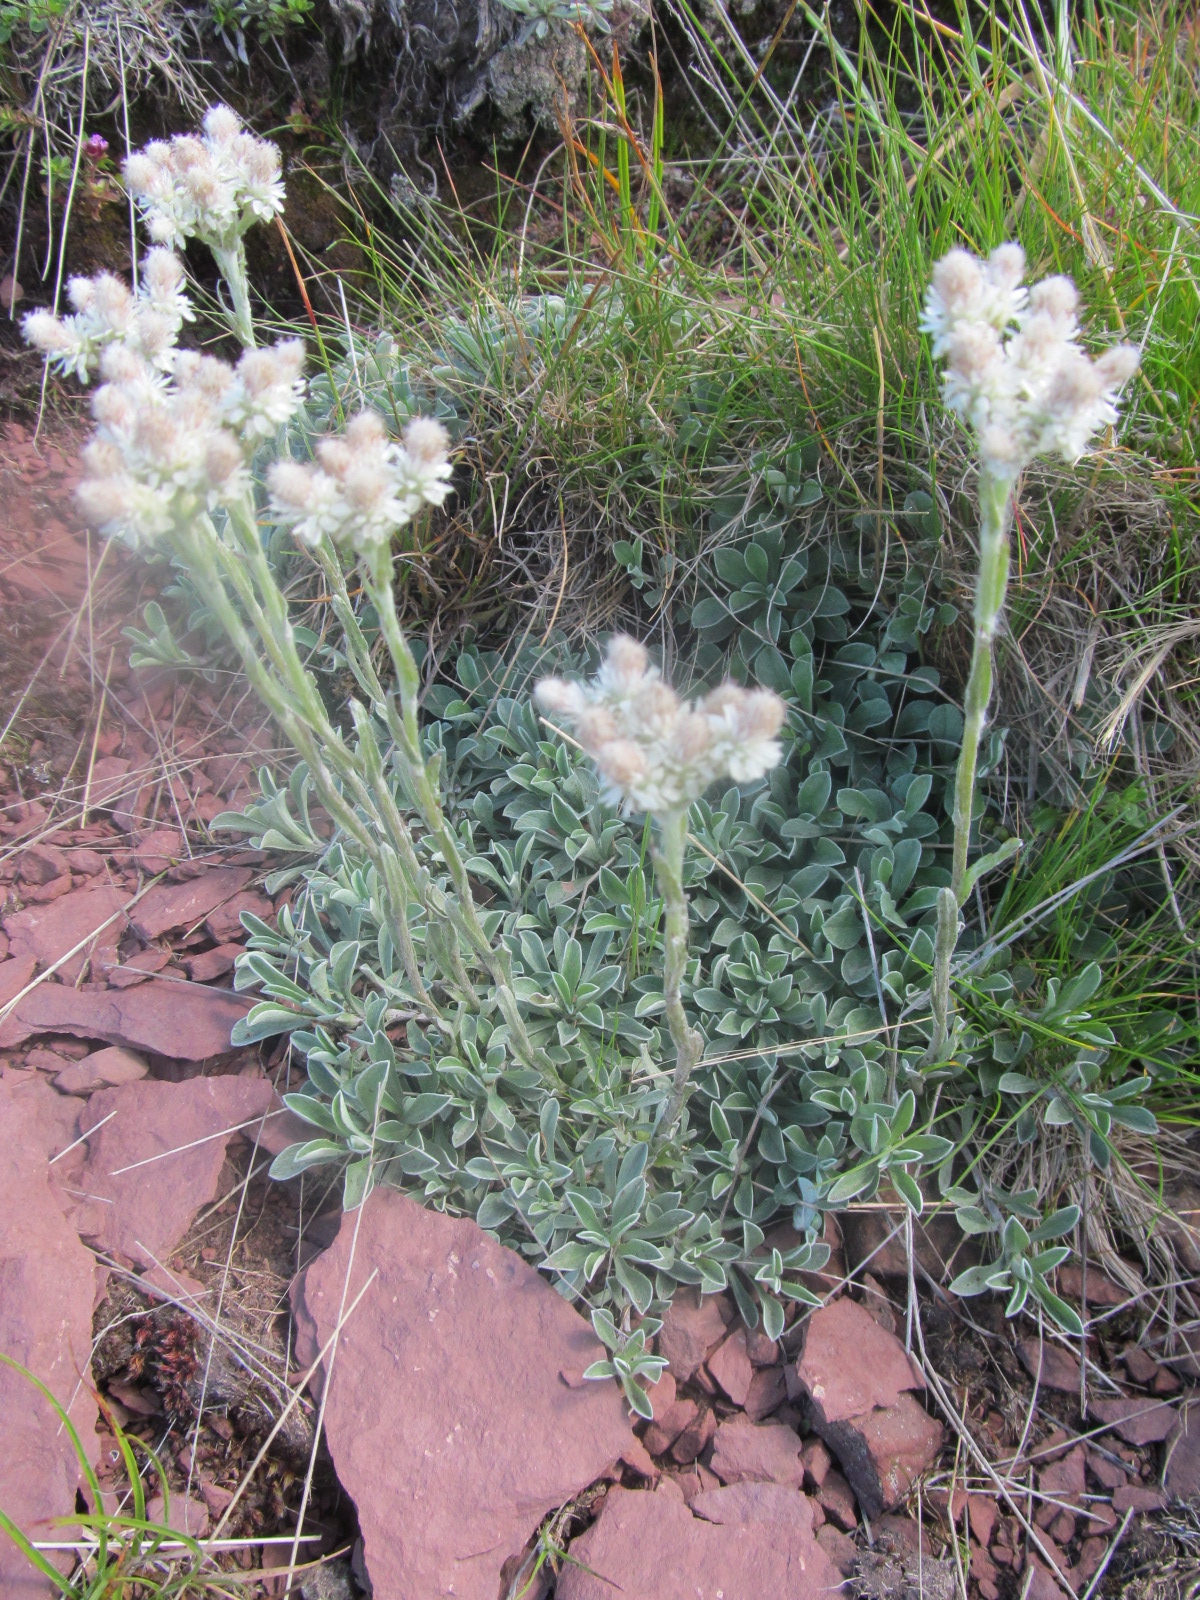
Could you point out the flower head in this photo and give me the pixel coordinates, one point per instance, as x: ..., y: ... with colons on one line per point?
x: 654, y: 752
x: 107, y: 313
x: 364, y: 486
x: 1015, y: 371
x: 211, y: 187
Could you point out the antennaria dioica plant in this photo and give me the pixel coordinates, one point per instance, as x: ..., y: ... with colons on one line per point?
x: 1016, y: 374
x: 478, y: 973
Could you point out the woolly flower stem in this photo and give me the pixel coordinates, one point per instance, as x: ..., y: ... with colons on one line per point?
x: 231, y: 264
x: 668, y: 873
x: 424, y: 792
x: 995, y: 517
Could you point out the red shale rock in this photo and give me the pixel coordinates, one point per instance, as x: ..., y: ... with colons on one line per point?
x: 1181, y: 1475
x: 447, y: 1419
x: 47, y: 932
x: 47, y: 1287
x: 1050, y: 1364
x: 186, y: 905
x: 730, y: 1366
x: 691, y: 1327
x: 850, y: 1364
x: 649, y: 1547
x: 883, y: 1452
x: 185, y: 1021
x: 103, y: 1069
x: 144, y: 1212
x: 762, y: 1452
x: 1136, y: 1420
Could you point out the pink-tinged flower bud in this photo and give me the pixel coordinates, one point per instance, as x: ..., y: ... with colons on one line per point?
x: 102, y: 458
x: 105, y: 501
x: 335, y: 456
x: 426, y: 441
x: 113, y: 406
x: 1056, y: 297
x: 956, y: 279
x: 761, y: 714
x: 721, y: 699
x: 259, y: 161
x: 974, y: 349
x: 112, y: 302
x: 691, y: 738
x: 45, y: 332
x: 621, y: 762
x: 186, y: 154
x: 627, y: 660
x: 291, y: 484
x: 120, y: 364
x: 365, y: 431
x: 1117, y: 365
x: 204, y: 376
x: 366, y: 486
x: 1006, y: 266
x: 162, y: 271
x: 655, y: 706
x: 223, y: 459
x: 81, y: 292
x: 595, y: 726
x: 155, y: 332
x: 141, y: 173
x: 1075, y: 383
x: 222, y: 125
x: 558, y: 698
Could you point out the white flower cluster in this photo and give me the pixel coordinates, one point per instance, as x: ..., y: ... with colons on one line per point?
x: 167, y: 450
x: 211, y: 188
x: 364, y: 486
x: 654, y: 752
x: 106, y: 312
x: 1015, y: 371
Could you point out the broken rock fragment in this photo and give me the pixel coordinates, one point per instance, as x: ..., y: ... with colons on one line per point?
x: 447, y: 1419
x: 650, y: 1547
x: 762, y: 1452
x: 883, y: 1452
x: 850, y: 1364
x: 858, y: 1380
x: 692, y: 1326
x: 47, y: 1287
x: 153, y: 1164
x: 185, y: 1021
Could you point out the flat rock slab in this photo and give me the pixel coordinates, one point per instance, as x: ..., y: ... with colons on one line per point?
x: 158, y: 1159
x: 47, y: 1287
x: 1050, y: 1364
x: 850, y: 1364
x: 448, y: 1419
x: 1137, y: 1421
x: 762, y: 1452
x: 1181, y: 1476
x: 185, y: 1021
x: 103, y: 1069
x: 47, y: 932
x: 650, y: 1547
x: 186, y: 905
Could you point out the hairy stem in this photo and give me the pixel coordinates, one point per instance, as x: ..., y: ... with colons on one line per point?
x: 231, y: 264
x: 939, y: 993
x: 668, y: 873
x: 995, y: 514
x: 423, y: 789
